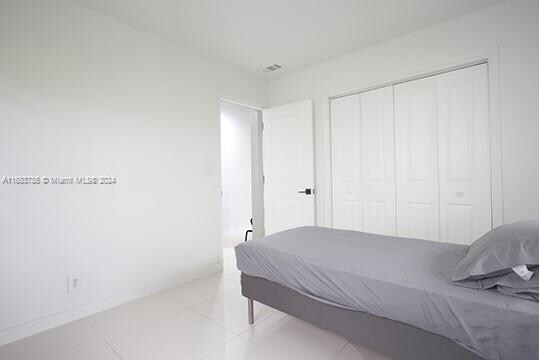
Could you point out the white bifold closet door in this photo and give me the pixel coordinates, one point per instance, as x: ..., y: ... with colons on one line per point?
x: 420, y: 169
x: 416, y: 144
x: 464, y: 155
x: 443, y: 156
x: 363, y: 162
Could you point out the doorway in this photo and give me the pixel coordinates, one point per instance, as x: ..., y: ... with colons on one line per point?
x: 241, y: 174
x: 267, y: 169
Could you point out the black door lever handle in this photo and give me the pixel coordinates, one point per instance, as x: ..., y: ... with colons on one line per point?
x: 306, y: 191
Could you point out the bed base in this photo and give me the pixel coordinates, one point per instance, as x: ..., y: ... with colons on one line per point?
x: 388, y: 337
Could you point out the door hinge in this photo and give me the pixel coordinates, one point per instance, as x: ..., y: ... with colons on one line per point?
x: 262, y: 126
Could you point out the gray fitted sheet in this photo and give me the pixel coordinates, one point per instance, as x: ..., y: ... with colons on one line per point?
x: 401, y: 279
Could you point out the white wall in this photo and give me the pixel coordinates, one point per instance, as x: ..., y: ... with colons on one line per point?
x: 82, y: 94
x: 509, y: 30
x: 236, y: 125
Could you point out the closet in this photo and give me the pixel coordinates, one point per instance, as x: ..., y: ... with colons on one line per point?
x: 413, y: 159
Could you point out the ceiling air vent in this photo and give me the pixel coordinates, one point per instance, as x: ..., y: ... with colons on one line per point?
x: 272, y: 67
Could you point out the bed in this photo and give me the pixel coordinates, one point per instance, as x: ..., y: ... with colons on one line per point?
x: 391, y: 294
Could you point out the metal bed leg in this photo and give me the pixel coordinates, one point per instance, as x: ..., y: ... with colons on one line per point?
x: 251, y: 311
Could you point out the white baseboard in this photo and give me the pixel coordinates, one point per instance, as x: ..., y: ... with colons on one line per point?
x: 45, y: 323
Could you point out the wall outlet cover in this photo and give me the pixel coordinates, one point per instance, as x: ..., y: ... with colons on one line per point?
x: 73, y: 284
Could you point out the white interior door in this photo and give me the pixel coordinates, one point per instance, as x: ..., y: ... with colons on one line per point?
x: 464, y: 154
x: 363, y: 162
x: 288, y: 156
x: 416, y: 134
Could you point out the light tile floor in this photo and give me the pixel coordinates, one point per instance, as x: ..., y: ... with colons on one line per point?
x: 202, y: 319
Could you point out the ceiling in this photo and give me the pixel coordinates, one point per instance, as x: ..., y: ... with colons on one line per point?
x: 252, y: 34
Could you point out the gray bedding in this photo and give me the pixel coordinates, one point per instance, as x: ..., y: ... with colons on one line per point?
x: 510, y: 284
x: 401, y: 279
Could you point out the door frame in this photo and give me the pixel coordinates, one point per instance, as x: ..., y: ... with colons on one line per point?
x: 257, y: 179
x: 489, y: 56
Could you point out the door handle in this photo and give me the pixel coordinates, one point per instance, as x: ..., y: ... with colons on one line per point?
x: 306, y: 191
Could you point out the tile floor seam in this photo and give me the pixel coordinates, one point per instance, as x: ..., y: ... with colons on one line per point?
x: 161, y: 293
x: 218, y: 347
x: 170, y: 296
x: 97, y: 332
x: 234, y: 331
x: 184, y: 310
x: 341, y: 350
x: 277, y: 312
x: 189, y: 282
x: 229, y: 278
x: 146, y: 326
x: 214, y: 322
x: 236, y: 285
x: 169, y: 316
x: 199, y: 278
x: 212, y: 298
x: 114, y: 350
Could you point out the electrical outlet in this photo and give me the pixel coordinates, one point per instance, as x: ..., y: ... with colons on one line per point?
x: 73, y: 284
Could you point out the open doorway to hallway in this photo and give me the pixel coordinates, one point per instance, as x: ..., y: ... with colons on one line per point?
x: 239, y: 162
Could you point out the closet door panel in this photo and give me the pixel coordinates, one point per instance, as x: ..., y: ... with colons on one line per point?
x: 464, y: 154
x: 377, y: 156
x: 345, y: 127
x: 417, y: 190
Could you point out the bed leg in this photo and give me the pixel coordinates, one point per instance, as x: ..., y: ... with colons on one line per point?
x: 251, y: 311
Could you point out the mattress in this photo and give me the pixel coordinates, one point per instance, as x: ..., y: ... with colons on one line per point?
x: 401, y: 279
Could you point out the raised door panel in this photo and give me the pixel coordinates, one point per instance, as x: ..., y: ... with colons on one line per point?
x: 377, y: 157
x: 345, y: 123
x: 464, y: 155
x: 417, y: 191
